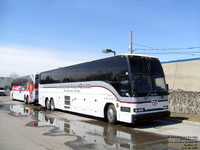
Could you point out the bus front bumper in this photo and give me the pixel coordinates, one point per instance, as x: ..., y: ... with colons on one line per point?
x: 150, y: 116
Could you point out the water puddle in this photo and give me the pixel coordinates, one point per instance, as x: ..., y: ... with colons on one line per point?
x: 100, y: 135
x: 97, y: 134
x: 25, y: 110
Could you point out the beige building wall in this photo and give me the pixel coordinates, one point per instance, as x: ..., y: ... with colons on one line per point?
x: 183, y: 75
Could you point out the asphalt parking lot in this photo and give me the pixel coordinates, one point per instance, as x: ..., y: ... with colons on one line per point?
x: 33, y: 127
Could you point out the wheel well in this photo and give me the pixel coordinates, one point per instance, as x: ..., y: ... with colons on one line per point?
x: 105, y: 109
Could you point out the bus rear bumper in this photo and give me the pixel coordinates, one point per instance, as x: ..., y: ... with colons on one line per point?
x: 150, y: 116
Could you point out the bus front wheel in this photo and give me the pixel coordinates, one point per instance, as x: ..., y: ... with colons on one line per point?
x: 111, y: 114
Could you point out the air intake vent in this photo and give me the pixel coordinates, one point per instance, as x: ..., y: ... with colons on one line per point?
x: 67, y: 100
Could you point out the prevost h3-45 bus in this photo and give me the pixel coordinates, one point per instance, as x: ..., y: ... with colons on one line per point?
x: 123, y: 88
x: 25, y: 88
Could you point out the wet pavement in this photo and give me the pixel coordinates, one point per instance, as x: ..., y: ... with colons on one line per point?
x: 97, y: 134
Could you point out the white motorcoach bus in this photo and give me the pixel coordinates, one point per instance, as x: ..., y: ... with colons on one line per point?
x: 25, y: 88
x: 126, y: 88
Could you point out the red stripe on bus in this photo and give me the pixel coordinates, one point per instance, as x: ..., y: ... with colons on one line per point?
x: 163, y: 100
x: 51, y: 87
x: 108, y: 90
x: 136, y: 102
x: 143, y: 102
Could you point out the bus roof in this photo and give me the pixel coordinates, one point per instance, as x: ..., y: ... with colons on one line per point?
x: 133, y: 55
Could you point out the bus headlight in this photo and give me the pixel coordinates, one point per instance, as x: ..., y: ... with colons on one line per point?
x: 138, y: 110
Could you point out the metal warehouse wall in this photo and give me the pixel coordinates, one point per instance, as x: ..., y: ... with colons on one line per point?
x: 183, y: 75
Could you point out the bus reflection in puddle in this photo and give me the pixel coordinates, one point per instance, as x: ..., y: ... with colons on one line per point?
x: 21, y: 111
x: 93, y: 134
x: 100, y: 135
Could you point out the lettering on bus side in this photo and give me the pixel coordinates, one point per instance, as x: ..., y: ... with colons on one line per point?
x: 109, y: 98
x: 80, y: 85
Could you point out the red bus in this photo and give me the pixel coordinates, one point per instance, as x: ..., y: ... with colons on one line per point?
x: 25, y: 89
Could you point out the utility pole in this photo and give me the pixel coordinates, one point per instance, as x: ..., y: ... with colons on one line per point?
x: 131, y: 50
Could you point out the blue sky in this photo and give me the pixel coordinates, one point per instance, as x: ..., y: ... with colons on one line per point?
x: 76, y: 31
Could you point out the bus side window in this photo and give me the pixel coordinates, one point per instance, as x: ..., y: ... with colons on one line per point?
x: 117, y: 69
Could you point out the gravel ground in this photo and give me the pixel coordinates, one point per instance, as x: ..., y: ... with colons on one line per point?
x: 187, y: 102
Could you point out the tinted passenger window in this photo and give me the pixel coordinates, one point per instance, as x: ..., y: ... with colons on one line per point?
x: 21, y: 81
x: 118, y: 74
x: 117, y: 66
x: 45, y: 78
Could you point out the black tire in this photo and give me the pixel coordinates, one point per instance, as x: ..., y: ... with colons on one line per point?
x: 51, y: 120
x: 47, y: 103
x: 52, y: 105
x: 111, y: 114
x: 26, y: 100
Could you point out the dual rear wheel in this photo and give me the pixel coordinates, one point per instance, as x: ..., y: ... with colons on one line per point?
x: 50, y: 105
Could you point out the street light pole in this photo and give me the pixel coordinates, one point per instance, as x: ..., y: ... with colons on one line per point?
x: 131, y: 50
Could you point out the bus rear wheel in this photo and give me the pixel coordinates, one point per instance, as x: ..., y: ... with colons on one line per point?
x: 26, y: 100
x: 111, y: 114
x: 47, y: 103
x: 52, y: 105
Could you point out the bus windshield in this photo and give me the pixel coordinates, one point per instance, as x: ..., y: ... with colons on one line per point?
x: 147, y: 77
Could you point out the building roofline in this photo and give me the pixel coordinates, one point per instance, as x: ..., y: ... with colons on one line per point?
x: 181, y: 60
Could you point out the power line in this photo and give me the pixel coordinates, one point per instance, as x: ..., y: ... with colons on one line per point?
x: 167, y: 49
x: 174, y: 53
x: 143, y: 45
